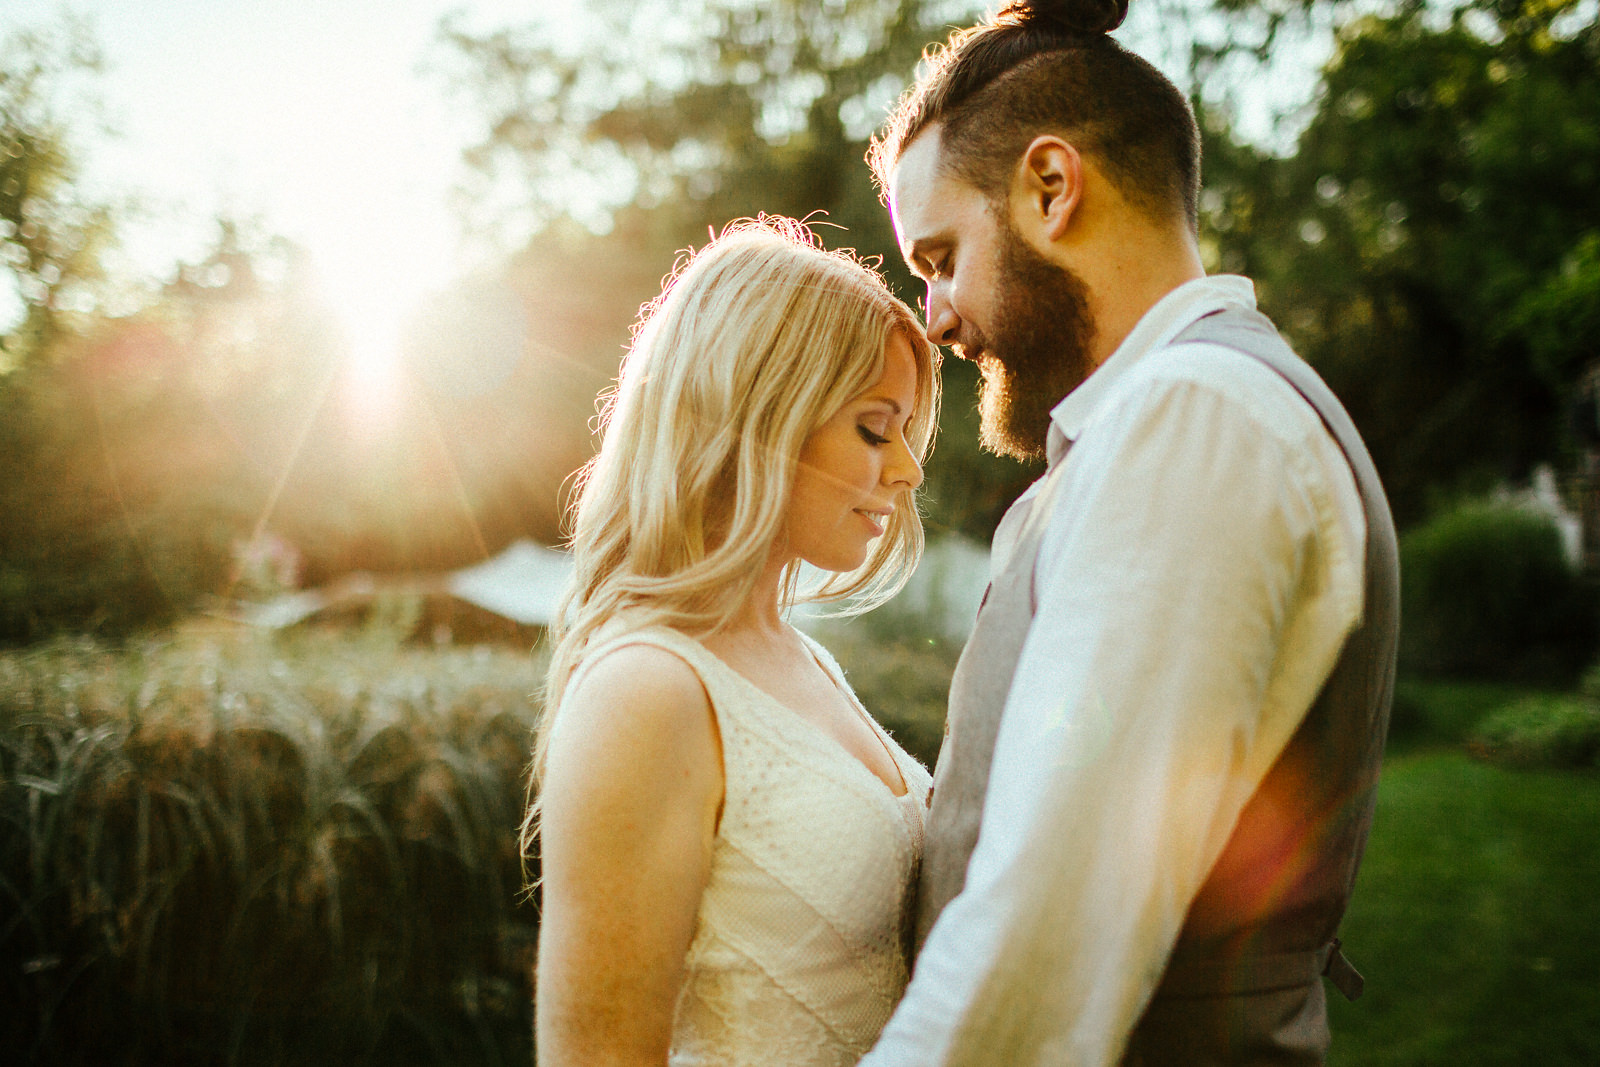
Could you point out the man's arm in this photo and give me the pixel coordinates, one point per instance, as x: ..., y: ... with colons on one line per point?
x: 1195, y: 587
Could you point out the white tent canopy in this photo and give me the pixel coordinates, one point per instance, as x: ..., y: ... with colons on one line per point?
x: 523, y: 583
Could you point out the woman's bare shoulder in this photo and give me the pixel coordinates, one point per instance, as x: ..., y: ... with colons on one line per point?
x: 639, y: 671
x: 635, y: 744
x: 644, y: 692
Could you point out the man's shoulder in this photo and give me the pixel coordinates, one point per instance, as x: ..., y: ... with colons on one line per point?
x: 1206, y: 374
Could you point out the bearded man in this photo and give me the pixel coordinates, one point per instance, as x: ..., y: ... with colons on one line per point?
x: 1165, y: 731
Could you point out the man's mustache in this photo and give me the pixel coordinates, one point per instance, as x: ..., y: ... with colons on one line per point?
x: 975, y: 349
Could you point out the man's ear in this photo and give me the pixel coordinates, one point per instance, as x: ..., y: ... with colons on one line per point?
x: 1048, y: 185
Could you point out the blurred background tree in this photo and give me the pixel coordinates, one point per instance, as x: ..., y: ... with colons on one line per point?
x: 151, y: 431
x: 65, y: 557
x: 1429, y: 246
x: 50, y: 237
x: 1423, y: 229
x: 1397, y: 243
x: 673, y: 118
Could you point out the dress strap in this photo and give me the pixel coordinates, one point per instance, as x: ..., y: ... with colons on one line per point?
x: 686, y: 648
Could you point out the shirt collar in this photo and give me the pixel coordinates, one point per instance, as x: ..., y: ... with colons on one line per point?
x: 1170, y: 316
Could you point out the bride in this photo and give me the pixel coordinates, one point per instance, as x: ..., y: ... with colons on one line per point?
x: 727, y: 838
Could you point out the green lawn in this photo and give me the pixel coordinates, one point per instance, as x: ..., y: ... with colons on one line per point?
x: 1477, y: 919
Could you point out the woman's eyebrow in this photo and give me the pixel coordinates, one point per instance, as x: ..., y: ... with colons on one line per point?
x: 891, y: 402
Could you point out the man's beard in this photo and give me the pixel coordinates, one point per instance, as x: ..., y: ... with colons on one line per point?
x: 1037, y: 350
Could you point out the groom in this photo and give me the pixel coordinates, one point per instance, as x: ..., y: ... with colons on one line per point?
x: 1165, y: 730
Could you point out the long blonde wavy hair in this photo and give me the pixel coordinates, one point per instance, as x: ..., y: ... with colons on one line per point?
x: 754, y: 342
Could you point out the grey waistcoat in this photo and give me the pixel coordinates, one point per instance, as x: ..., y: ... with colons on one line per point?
x: 1242, y: 985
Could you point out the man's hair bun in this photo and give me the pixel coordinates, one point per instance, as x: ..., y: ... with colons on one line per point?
x: 1076, y: 18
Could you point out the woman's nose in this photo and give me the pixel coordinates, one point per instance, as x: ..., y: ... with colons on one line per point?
x: 904, y: 470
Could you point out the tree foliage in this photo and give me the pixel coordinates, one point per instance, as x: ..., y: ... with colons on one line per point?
x: 144, y: 452
x: 67, y: 548
x: 721, y: 107
x: 677, y: 116
x: 1431, y: 244
x: 111, y: 520
x: 50, y: 236
x: 695, y: 114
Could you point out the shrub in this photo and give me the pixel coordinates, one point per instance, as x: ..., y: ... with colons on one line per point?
x: 85, y: 546
x: 1488, y: 593
x: 1445, y: 710
x: 1408, y: 716
x: 1541, y: 731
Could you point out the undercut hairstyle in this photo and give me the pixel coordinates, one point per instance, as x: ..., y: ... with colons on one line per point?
x: 755, y: 342
x: 1048, y: 67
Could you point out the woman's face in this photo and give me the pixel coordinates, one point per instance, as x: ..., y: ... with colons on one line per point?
x: 855, y: 469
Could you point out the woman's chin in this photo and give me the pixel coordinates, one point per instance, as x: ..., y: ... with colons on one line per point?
x: 840, y: 564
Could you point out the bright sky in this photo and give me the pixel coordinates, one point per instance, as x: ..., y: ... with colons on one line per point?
x: 314, y: 115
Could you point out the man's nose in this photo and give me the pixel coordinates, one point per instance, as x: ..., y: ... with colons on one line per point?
x: 943, y: 322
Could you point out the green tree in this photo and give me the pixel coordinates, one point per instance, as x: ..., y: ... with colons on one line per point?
x: 1425, y: 243
x: 64, y: 554
x: 114, y: 512
x: 50, y: 238
x: 107, y: 526
x: 673, y: 116
x: 676, y: 117
x: 1430, y: 246
x: 714, y: 108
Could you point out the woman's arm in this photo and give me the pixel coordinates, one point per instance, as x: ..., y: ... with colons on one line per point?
x: 631, y: 796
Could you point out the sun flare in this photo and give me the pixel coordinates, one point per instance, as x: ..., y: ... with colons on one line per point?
x: 374, y: 286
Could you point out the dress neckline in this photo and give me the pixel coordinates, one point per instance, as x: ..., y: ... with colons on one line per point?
x: 814, y: 729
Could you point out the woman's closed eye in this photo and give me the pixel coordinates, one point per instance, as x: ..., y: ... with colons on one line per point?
x: 870, y: 437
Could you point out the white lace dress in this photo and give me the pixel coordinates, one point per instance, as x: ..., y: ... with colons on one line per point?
x: 800, y: 948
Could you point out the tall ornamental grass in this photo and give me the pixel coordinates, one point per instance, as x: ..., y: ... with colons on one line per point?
x: 228, y: 848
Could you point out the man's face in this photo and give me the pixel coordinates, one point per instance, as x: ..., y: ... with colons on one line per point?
x: 1024, y: 320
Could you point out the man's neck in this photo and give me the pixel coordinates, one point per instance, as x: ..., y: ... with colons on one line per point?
x: 1138, y: 269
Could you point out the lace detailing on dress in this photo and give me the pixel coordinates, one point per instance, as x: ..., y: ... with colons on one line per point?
x: 800, y: 948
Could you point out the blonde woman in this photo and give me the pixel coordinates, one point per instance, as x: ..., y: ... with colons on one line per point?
x: 727, y: 838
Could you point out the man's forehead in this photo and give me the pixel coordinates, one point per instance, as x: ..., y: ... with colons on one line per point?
x: 931, y: 207
x: 914, y: 184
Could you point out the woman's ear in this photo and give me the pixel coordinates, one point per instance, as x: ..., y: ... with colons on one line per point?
x: 1047, y: 187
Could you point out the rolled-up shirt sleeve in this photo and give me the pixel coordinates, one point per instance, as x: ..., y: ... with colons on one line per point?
x: 1199, y: 573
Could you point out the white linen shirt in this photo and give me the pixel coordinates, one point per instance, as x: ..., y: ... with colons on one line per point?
x: 1201, y: 568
